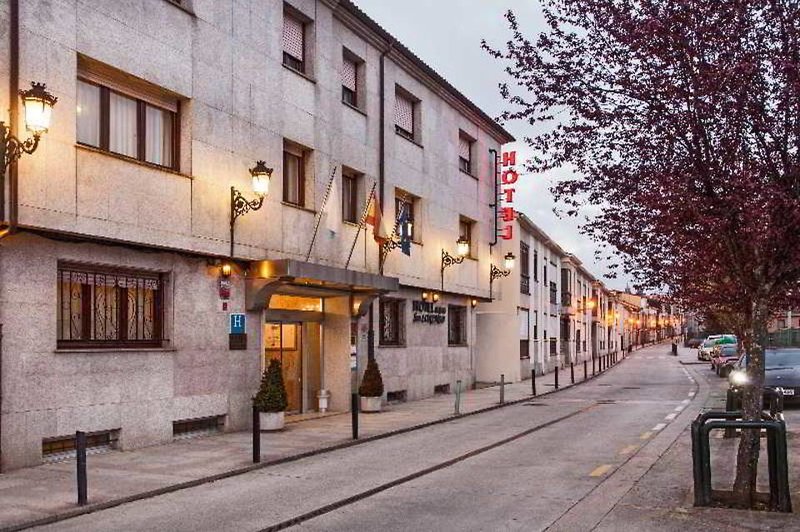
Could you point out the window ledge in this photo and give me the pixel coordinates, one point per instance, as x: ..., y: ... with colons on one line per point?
x: 352, y: 224
x: 392, y: 346
x: 89, y: 350
x: 468, y: 173
x: 301, y: 74
x: 412, y: 141
x: 131, y: 160
x: 457, y: 345
x: 299, y: 207
x: 354, y: 108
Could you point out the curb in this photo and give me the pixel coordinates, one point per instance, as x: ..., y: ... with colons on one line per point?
x: 91, y: 508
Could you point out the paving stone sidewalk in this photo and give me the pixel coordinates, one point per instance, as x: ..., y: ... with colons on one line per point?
x: 48, y: 490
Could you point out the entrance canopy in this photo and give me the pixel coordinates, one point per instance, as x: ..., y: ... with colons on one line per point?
x: 293, y: 277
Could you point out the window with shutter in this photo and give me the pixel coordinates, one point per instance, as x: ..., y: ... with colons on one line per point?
x: 293, y: 43
x: 464, y: 151
x: 349, y: 81
x: 404, y: 116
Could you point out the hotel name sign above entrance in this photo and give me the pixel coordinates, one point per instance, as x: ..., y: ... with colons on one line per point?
x: 425, y: 312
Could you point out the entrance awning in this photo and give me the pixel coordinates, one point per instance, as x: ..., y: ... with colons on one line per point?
x: 289, y: 276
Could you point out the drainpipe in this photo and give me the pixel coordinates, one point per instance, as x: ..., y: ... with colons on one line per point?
x: 381, y: 185
x: 496, y: 203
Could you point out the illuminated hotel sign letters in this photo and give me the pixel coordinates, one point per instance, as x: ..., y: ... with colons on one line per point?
x: 425, y: 312
x: 508, y: 178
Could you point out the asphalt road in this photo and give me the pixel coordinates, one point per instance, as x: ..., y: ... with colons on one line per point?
x: 559, y: 463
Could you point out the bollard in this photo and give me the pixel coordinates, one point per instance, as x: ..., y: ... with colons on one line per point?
x: 354, y: 414
x: 256, y: 436
x: 458, y: 398
x: 572, y: 373
x: 502, y: 388
x: 556, y: 376
x: 80, y: 451
x: 584, y: 370
x: 533, y: 382
x: 730, y: 406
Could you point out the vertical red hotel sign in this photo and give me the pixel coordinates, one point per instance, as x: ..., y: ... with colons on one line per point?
x: 508, y: 177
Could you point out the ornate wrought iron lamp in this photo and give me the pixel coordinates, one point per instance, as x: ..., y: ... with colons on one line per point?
x: 496, y: 273
x: 240, y: 205
x: 38, y: 107
x: 462, y: 250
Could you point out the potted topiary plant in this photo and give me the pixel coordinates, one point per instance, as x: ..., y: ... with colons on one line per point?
x: 371, y: 389
x: 270, y: 401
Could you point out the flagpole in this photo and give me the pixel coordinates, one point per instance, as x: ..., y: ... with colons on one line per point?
x: 361, y: 222
x: 321, y: 211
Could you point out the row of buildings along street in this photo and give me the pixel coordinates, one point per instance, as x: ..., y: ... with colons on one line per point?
x: 224, y: 183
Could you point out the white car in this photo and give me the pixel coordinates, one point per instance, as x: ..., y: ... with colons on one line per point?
x: 704, y: 351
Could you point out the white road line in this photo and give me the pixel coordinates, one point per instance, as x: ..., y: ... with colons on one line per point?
x: 680, y: 409
x: 658, y: 427
x: 691, y: 394
x: 670, y: 417
x: 686, y: 401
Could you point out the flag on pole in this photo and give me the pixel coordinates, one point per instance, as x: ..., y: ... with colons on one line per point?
x: 376, y: 220
x: 405, y: 234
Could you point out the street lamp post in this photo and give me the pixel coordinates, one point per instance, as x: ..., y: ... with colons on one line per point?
x: 462, y: 250
x: 38, y: 105
x: 240, y: 205
x: 496, y: 273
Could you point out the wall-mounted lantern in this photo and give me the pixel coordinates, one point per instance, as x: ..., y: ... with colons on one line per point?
x: 496, y: 273
x: 462, y: 250
x: 239, y: 205
x: 38, y: 109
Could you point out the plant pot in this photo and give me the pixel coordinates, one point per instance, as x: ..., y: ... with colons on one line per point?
x: 371, y: 404
x: 322, y: 397
x: 270, y: 421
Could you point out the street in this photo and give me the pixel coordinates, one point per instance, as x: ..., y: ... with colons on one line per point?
x: 531, y: 466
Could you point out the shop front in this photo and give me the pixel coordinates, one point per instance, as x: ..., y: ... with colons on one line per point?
x: 309, y: 312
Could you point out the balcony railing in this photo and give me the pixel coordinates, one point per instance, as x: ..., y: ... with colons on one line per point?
x: 525, y: 284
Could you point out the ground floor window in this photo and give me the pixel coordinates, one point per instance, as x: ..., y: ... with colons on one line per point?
x: 524, y: 349
x: 391, y: 320
x: 456, y: 325
x: 100, y: 307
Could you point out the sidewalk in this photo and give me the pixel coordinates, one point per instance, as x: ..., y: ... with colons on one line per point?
x: 663, y: 499
x: 48, y: 491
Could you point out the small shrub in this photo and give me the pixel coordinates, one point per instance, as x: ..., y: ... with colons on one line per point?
x: 372, y: 382
x: 271, y: 396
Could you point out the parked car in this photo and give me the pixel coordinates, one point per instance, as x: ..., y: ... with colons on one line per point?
x: 723, y: 356
x: 704, y: 351
x: 693, y: 343
x: 782, y: 372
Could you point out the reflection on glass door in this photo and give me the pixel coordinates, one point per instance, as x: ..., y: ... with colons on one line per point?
x: 283, y: 341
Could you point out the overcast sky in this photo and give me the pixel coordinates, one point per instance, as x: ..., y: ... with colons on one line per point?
x: 446, y: 34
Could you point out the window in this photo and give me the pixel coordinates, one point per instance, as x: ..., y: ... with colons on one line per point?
x: 349, y: 196
x: 404, y: 202
x: 64, y: 447
x: 535, y: 324
x: 524, y: 265
x: 294, y: 37
x: 391, y: 319
x: 553, y: 293
x: 186, y: 428
x: 294, y: 180
x: 456, y: 325
x: 465, y: 153
x: 404, y: 115
x: 544, y: 271
x: 108, y: 308
x: 127, y: 125
x: 465, y: 232
x: 524, y: 333
x: 536, y: 265
x: 553, y: 343
x: 350, y: 81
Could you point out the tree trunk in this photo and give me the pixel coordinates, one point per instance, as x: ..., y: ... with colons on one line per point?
x: 753, y: 340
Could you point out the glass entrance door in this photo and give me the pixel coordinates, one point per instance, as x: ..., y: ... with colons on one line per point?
x: 284, y: 341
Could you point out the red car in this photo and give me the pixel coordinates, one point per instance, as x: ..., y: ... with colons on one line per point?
x: 723, y: 357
